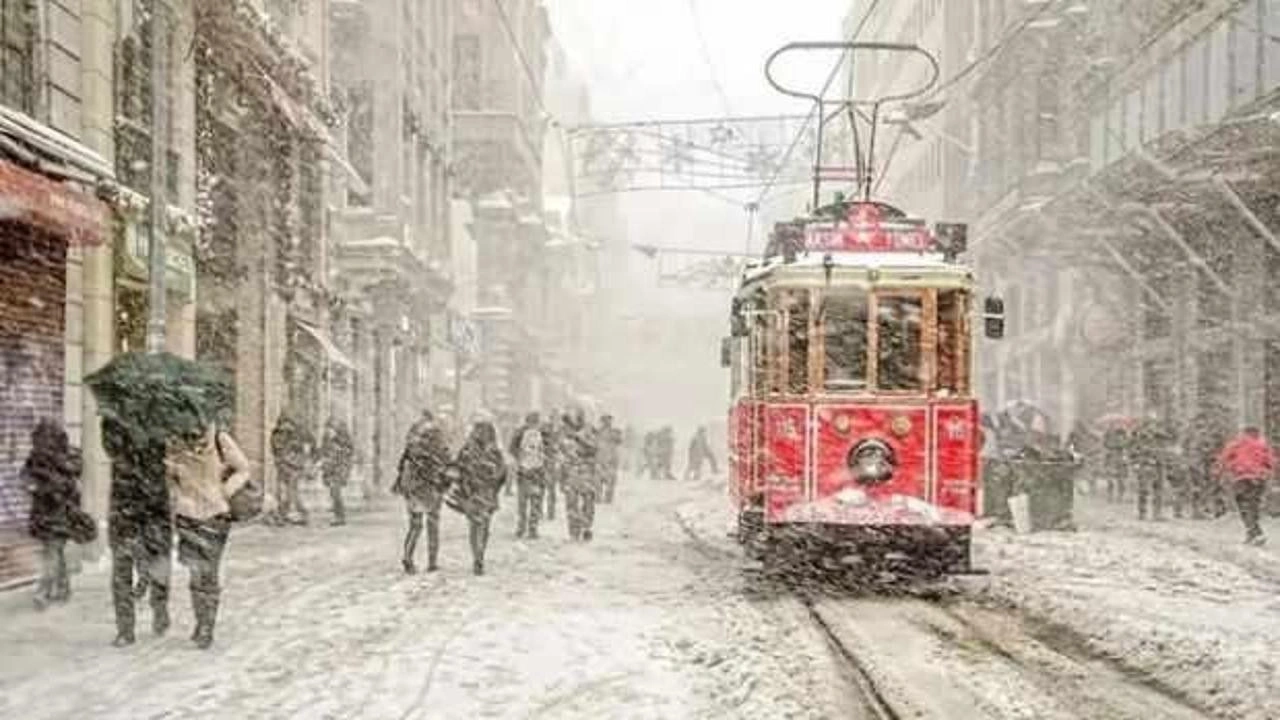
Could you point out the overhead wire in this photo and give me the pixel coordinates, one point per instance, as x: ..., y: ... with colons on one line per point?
x: 831, y: 78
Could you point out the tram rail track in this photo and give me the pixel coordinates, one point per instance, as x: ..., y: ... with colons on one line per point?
x: 923, y: 655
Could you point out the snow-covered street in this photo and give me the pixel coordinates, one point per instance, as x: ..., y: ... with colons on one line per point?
x: 320, y: 623
x: 1113, y: 621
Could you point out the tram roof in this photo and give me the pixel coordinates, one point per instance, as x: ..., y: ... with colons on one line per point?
x: 861, y: 269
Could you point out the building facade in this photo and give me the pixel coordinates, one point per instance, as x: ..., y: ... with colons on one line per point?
x: 1121, y: 161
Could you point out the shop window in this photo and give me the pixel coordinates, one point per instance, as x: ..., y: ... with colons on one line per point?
x: 17, y: 54
x: 1219, y: 60
x: 843, y: 322
x: 1195, y: 79
x: 899, y: 349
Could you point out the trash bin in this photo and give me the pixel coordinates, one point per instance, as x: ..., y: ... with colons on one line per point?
x: 1050, y: 489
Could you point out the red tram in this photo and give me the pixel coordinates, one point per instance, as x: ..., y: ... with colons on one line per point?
x: 853, y: 419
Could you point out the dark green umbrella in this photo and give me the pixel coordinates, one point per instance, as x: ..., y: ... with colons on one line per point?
x: 162, y: 396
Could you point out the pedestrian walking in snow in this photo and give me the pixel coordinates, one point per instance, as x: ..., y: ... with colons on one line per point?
x: 666, y: 452
x: 1202, y: 442
x: 481, y: 474
x: 581, y: 482
x: 1115, y: 461
x: 699, y: 453
x: 292, y: 446
x: 52, y: 476
x: 203, y: 473
x: 529, y: 450
x: 557, y: 464
x: 1246, y: 465
x: 139, y: 526
x: 609, y: 443
x: 336, y: 459
x: 1148, y: 451
x: 422, y: 480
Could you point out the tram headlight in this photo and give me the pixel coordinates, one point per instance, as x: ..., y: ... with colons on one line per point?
x: 872, y: 461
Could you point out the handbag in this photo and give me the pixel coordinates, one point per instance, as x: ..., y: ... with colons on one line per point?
x: 81, y: 526
x: 246, y: 502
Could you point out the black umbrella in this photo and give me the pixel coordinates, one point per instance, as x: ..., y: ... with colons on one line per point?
x: 161, y: 396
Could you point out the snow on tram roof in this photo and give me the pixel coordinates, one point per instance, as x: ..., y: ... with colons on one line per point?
x: 904, y: 261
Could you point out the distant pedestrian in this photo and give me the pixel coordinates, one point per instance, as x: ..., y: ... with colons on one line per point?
x: 140, y: 526
x: 422, y: 481
x: 52, y: 475
x: 699, y: 453
x: 529, y: 448
x: 582, y: 478
x: 292, y: 446
x: 609, y: 444
x: 666, y: 452
x: 1246, y: 465
x: 1202, y: 442
x: 337, y: 456
x: 203, y: 473
x: 1147, y: 450
x: 1083, y: 446
x: 557, y: 463
x: 481, y: 474
x: 1115, y: 461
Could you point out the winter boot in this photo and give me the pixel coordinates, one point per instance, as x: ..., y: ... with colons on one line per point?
x: 205, y: 605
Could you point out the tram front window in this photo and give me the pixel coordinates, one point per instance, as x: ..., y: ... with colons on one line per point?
x: 898, y: 321
x: 844, y: 332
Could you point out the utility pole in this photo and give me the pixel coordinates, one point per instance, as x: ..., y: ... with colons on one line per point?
x: 156, y: 312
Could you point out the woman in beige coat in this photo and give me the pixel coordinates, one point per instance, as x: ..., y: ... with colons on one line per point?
x: 203, y: 474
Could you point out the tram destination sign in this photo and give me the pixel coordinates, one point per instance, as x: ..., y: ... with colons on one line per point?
x: 865, y: 230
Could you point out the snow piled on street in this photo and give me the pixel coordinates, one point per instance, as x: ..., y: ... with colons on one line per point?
x: 321, y: 623
x: 1180, y: 606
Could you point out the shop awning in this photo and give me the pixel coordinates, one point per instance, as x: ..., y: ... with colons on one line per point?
x: 331, y: 351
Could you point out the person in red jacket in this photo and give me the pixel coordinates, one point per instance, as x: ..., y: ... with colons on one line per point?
x: 1247, y: 463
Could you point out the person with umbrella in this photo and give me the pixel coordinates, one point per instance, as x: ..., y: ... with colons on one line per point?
x: 147, y: 400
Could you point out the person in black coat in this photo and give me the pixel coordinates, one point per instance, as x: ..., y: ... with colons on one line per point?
x: 337, y: 455
x: 482, y: 473
x: 422, y: 481
x: 52, y: 475
x: 139, y: 527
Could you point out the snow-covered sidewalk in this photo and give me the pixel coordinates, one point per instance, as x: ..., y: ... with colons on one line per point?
x: 1167, y: 603
x: 320, y: 623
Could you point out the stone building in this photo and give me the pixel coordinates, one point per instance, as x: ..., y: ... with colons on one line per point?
x: 264, y: 147
x: 499, y: 64
x: 1119, y: 180
x: 69, y: 221
x: 393, y: 269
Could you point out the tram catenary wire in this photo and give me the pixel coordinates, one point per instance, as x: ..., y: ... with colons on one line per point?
x: 831, y: 78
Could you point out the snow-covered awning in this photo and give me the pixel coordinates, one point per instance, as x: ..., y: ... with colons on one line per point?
x: 53, y: 144
x: 302, y: 118
x: 334, y: 354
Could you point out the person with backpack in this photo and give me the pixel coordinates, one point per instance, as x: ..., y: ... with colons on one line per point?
x: 52, y: 475
x: 204, y: 473
x: 422, y: 480
x: 529, y: 452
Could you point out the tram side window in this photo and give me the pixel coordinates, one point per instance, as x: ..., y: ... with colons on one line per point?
x: 798, y: 342
x: 844, y: 334
x: 953, y: 343
x: 898, y: 322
